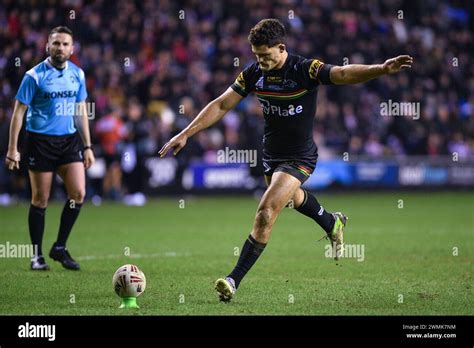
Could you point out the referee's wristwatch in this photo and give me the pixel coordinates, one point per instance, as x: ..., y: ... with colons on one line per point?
x: 88, y: 147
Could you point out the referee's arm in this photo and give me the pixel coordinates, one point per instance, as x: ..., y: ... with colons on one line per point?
x: 83, y: 129
x: 13, y: 156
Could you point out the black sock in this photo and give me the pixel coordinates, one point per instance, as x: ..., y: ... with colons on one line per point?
x: 36, y: 225
x: 250, y: 253
x: 311, y: 208
x: 68, y: 218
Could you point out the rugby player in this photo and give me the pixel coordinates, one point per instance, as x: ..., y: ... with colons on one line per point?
x: 286, y: 86
x: 58, y: 141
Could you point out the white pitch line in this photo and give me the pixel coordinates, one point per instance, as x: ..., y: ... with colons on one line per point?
x: 132, y: 256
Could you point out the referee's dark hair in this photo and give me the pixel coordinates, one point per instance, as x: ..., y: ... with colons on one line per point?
x: 268, y: 32
x: 61, y: 29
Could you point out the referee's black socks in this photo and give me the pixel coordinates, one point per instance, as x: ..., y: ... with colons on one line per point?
x: 36, y: 225
x: 311, y: 208
x: 68, y: 218
x: 249, y: 255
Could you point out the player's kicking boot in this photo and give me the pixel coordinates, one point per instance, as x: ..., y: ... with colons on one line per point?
x: 225, y: 288
x: 336, y: 236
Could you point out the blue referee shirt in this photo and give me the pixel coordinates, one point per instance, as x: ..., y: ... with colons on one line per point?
x: 52, y: 96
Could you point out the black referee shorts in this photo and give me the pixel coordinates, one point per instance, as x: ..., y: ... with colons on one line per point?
x: 301, y: 169
x: 45, y: 153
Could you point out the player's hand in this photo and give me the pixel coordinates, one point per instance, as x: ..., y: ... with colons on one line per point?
x: 89, y: 158
x: 177, y: 142
x: 12, y: 160
x: 396, y: 64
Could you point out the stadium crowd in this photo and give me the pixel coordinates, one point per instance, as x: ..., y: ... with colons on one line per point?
x: 152, y: 65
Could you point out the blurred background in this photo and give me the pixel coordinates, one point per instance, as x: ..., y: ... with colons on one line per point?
x: 152, y: 65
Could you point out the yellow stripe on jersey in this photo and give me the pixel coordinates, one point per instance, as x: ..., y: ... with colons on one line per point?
x: 240, y: 81
x: 314, y: 69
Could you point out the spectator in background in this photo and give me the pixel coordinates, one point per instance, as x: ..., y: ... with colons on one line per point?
x: 110, y: 132
x: 139, y: 143
x: 459, y: 147
x: 143, y: 49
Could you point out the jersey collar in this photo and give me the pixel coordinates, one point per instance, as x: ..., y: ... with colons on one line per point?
x: 51, y: 66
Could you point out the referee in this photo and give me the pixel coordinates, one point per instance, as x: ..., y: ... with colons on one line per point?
x: 53, y: 93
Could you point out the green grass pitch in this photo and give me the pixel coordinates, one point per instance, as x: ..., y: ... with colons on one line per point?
x: 418, y: 259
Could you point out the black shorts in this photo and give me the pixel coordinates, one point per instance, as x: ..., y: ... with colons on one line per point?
x: 45, y: 153
x: 300, y: 169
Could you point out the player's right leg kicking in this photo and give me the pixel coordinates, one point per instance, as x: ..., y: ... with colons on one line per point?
x: 332, y: 223
x: 303, y: 202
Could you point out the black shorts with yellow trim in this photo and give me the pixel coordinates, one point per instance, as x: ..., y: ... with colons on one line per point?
x: 300, y: 169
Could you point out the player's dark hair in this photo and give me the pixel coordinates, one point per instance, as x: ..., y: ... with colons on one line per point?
x: 61, y: 29
x: 268, y: 32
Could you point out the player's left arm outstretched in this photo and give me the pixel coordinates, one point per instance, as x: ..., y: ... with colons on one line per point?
x: 359, y: 73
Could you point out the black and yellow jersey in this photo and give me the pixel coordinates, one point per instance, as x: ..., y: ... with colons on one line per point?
x: 288, y: 99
